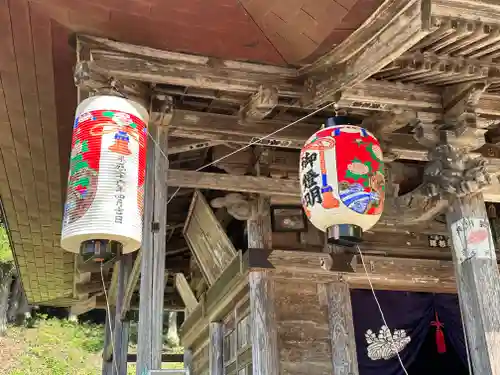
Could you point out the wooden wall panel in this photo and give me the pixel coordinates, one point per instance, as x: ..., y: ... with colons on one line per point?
x: 303, y: 329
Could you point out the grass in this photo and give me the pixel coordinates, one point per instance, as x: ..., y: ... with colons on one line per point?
x: 57, y: 347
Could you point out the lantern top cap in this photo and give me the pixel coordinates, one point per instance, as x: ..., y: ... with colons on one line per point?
x: 341, y: 120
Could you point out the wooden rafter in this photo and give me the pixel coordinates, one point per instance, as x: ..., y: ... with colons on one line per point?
x: 407, y: 23
x: 360, y: 38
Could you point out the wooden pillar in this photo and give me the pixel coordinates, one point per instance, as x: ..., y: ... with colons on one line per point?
x: 188, y: 361
x: 150, y: 330
x: 264, y: 335
x: 259, y: 230
x: 121, y: 329
x: 338, y: 300
x: 216, y: 348
x: 107, y: 363
x: 478, y: 281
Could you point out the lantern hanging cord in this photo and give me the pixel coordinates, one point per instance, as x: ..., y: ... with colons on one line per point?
x: 245, y: 146
x: 380, y: 308
x: 108, y: 314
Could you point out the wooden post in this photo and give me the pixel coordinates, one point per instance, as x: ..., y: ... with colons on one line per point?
x: 259, y: 230
x: 188, y: 361
x: 264, y: 335
x: 107, y: 362
x: 121, y: 330
x: 338, y: 301
x: 216, y: 348
x: 478, y: 281
x: 150, y: 331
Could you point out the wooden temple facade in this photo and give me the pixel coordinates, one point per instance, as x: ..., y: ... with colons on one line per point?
x: 261, y: 291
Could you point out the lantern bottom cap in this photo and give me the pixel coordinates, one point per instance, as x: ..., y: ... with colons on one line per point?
x: 344, y: 234
x: 100, y: 251
x: 73, y: 242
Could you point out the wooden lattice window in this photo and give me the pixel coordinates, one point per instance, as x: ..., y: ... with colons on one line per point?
x: 237, y: 341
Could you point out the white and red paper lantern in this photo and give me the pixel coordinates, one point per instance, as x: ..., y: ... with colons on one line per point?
x: 107, y: 171
x: 342, y: 178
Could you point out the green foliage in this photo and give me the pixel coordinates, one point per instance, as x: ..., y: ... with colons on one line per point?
x: 5, y: 251
x: 62, y: 347
x: 59, y: 347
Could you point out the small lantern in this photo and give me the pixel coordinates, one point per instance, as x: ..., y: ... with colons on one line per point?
x: 104, y: 201
x: 342, y: 181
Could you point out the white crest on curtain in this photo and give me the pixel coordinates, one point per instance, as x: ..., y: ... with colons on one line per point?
x: 385, y: 345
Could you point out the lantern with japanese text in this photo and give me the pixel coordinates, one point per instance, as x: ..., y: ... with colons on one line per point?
x: 104, y: 201
x: 342, y: 180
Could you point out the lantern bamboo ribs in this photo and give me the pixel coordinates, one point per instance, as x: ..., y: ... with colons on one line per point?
x: 342, y: 179
x: 105, y: 199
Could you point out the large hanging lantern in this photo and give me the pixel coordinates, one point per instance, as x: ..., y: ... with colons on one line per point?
x: 342, y: 180
x: 104, y: 202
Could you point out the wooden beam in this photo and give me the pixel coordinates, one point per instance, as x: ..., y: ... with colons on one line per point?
x: 223, y: 128
x: 93, y: 286
x: 260, y: 185
x: 186, y: 145
x: 131, y: 284
x: 216, y: 348
x: 386, y: 273
x: 472, y: 10
x: 138, y: 62
x: 185, y: 292
x: 173, y: 302
x: 260, y: 104
x: 225, y: 182
x: 360, y: 38
x: 169, y: 358
x: 478, y: 281
x: 126, y: 61
x: 81, y: 307
x: 407, y: 23
x: 337, y: 297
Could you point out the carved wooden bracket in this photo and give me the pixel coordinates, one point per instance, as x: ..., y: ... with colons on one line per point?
x: 452, y: 170
x: 261, y: 104
x: 240, y: 207
x: 383, y: 124
x: 413, y: 207
x: 237, y: 205
x: 88, y: 77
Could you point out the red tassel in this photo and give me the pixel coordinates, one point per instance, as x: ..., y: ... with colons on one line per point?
x: 440, y: 341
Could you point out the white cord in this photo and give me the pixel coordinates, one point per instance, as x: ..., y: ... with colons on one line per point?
x: 243, y: 147
x: 108, y: 313
x: 380, y: 308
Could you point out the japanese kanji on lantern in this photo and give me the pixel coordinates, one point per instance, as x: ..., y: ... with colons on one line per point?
x: 342, y: 181
x: 104, y: 201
